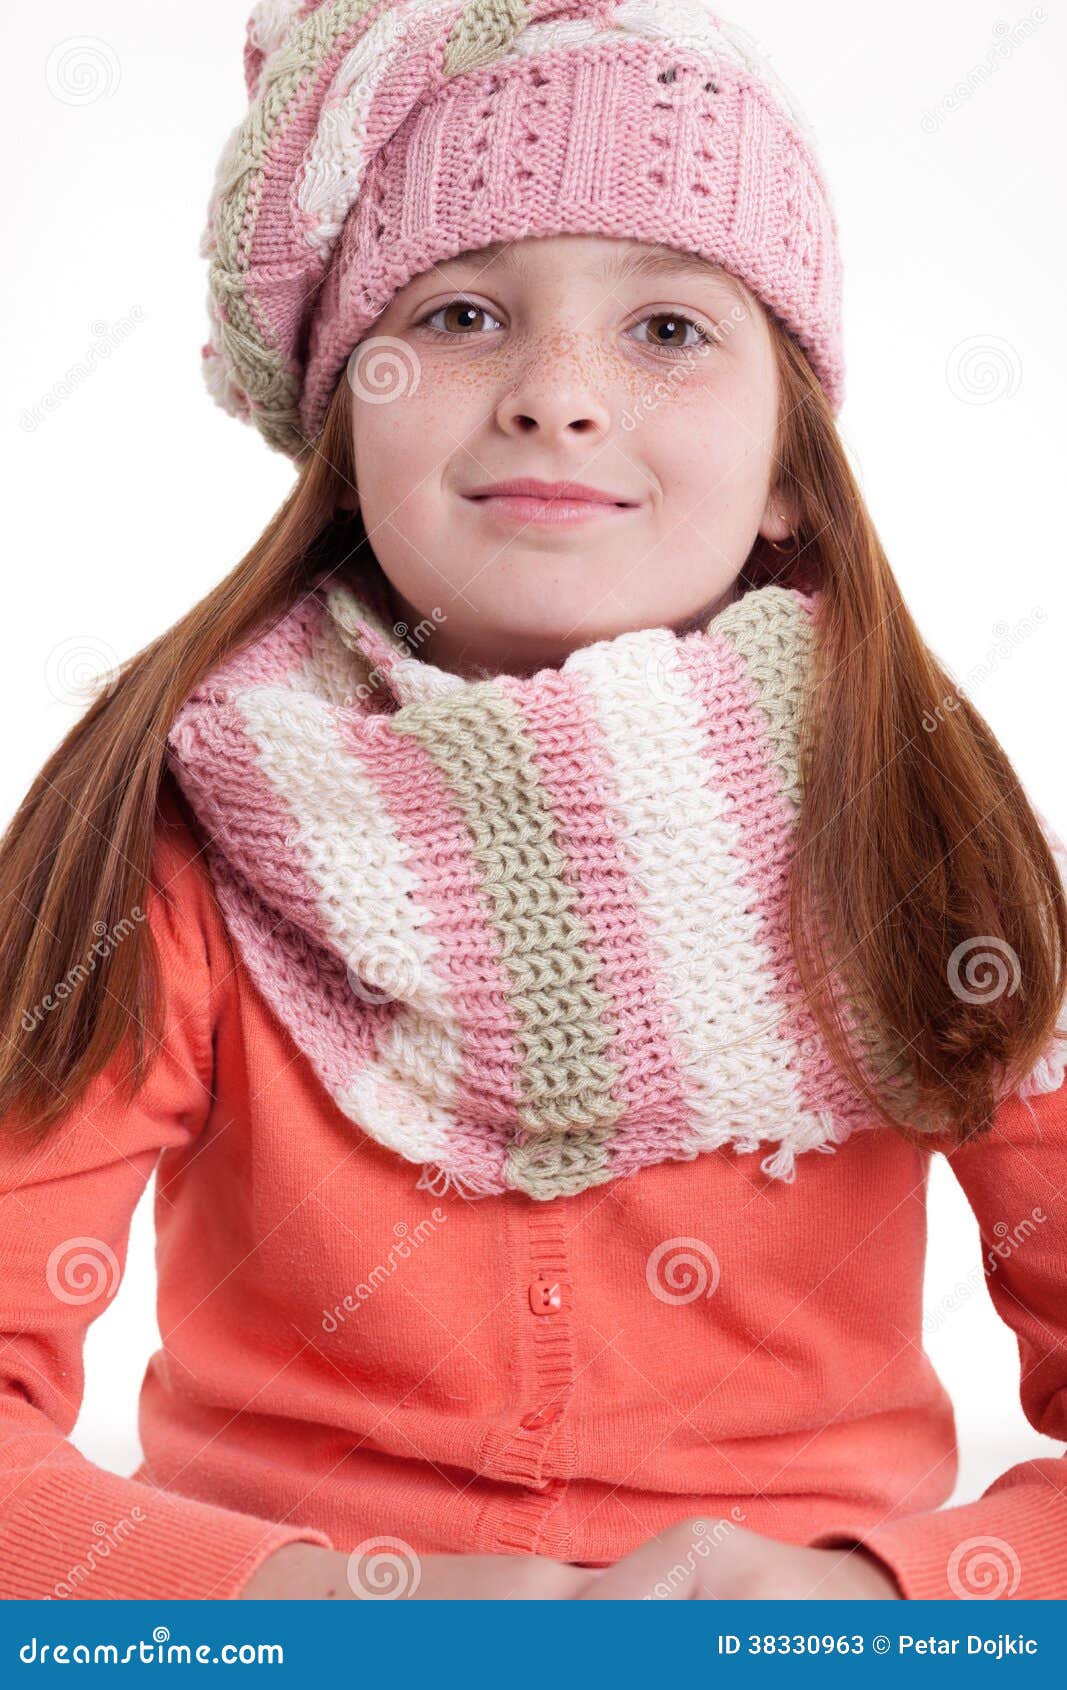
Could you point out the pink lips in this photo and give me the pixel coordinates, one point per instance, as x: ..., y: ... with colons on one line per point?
x: 527, y: 499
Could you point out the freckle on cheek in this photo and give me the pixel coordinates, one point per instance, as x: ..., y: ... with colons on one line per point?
x: 595, y: 367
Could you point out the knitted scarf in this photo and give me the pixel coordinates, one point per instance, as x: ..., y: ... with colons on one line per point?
x: 531, y: 931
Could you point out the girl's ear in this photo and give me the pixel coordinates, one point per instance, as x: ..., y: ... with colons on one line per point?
x: 349, y: 500
x: 780, y: 517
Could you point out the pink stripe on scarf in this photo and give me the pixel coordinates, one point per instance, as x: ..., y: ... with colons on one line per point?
x: 275, y: 657
x: 343, y: 1030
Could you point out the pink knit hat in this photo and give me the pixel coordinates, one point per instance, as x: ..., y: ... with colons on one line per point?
x: 383, y: 138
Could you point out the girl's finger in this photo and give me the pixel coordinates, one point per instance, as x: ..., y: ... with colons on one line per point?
x: 651, y: 1570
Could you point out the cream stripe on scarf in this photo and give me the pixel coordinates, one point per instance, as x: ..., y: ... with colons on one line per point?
x: 368, y: 890
x: 726, y: 1025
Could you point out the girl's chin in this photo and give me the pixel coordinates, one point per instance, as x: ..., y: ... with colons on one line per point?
x: 571, y: 627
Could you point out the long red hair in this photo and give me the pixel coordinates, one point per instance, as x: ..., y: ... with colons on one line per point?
x: 913, y: 846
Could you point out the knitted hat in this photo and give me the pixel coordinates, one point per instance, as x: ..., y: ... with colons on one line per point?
x: 383, y: 138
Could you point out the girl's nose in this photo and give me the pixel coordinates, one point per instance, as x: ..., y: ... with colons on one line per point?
x: 554, y: 402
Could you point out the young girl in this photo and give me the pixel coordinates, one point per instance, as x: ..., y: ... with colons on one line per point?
x: 482, y: 908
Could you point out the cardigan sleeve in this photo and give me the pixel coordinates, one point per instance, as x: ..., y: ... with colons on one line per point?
x: 1012, y: 1541
x: 70, y: 1528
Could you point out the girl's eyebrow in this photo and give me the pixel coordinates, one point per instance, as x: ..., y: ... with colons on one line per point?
x: 619, y: 265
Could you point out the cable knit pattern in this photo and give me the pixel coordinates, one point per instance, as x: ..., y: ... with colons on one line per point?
x: 381, y: 139
x: 530, y: 931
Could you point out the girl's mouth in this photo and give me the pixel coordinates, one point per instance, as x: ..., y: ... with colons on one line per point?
x: 525, y: 507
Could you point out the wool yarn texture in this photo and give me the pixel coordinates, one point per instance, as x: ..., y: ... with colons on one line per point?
x: 381, y: 139
x: 530, y: 930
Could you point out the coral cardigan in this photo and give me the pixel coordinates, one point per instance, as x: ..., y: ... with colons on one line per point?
x: 345, y: 1355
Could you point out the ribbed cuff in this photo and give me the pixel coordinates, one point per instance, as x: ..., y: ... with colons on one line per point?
x: 86, y: 1533
x: 1011, y: 1546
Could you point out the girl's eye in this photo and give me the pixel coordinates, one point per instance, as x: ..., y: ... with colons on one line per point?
x: 675, y: 322
x: 465, y: 312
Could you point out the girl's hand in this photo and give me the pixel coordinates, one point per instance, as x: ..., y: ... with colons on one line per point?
x: 695, y: 1560
x: 704, y: 1560
x: 518, y: 1578
x: 308, y: 1571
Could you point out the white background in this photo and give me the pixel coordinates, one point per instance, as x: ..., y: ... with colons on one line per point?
x: 133, y: 494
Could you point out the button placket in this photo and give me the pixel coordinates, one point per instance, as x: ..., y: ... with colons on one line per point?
x: 550, y: 1300
x: 547, y: 1362
x: 546, y: 1298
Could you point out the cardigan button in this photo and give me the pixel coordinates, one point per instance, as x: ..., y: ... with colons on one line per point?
x: 540, y: 1417
x: 546, y: 1295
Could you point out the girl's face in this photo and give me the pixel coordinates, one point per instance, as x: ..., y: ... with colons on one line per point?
x: 641, y: 372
